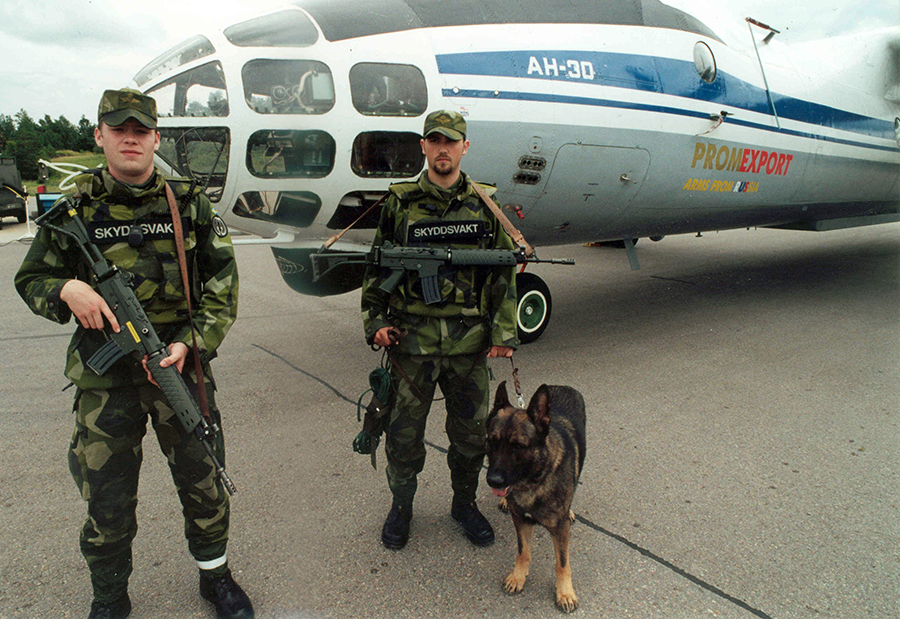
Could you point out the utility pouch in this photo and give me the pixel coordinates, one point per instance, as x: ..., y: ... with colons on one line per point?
x: 374, y: 419
x: 377, y: 413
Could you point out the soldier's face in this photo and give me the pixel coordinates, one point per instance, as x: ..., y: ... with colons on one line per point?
x: 129, y: 150
x: 443, y: 155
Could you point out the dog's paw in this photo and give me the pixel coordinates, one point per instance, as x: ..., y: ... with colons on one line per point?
x: 571, y: 516
x: 514, y: 582
x: 503, y: 506
x: 566, y: 601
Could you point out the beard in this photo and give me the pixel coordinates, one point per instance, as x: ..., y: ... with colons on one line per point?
x: 444, y: 167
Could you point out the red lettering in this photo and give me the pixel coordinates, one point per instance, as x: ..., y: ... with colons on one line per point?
x: 773, y: 160
x: 788, y: 163
x: 754, y: 160
x: 746, y: 156
x: 781, y: 158
x: 763, y: 157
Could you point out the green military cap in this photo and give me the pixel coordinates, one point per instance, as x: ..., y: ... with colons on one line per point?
x: 117, y: 106
x: 445, y: 122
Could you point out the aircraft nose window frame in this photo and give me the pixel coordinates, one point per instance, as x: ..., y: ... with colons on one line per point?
x: 292, y: 208
x: 288, y: 28
x: 187, y: 51
x: 705, y: 62
x: 288, y: 153
x: 197, y: 92
x: 382, y: 89
x: 288, y: 86
x: 387, y: 154
x: 197, y: 152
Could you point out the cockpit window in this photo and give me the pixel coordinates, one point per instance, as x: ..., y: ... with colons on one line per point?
x: 290, y: 28
x: 283, y: 153
x: 183, y: 53
x: 200, y: 153
x: 288, y: 86
x: 387, y: 154
x: 388, y: 89
x: 196, y: 92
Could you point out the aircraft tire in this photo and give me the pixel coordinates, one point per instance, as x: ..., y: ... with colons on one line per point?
x: 533, y: 307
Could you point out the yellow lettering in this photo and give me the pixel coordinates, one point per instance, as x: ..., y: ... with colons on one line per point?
x: 721, y: 162
x: 710, y: 156
x: 735, y: 161
x: 699, y: 151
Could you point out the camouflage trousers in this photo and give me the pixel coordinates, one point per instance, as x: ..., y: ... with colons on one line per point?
x: 463, y: 379
x: 105, y: 460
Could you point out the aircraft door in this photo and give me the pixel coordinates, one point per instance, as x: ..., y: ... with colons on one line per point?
x: 590, y: 186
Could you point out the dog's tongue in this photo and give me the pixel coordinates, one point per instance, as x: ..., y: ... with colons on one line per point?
x: 500, y: 492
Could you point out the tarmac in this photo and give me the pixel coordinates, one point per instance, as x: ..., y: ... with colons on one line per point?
x: 743, y: 457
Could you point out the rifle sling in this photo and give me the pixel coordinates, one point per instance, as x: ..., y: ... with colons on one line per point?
x: 335, y: 238
x: 504, y: 220
x: 182, y: 262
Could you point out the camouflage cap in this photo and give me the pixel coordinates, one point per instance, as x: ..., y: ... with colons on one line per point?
x: 117, y: 106
x: 445, y: 122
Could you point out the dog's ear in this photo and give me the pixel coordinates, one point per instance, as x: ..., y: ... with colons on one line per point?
x: 539, y: 411
x: 501, y: 399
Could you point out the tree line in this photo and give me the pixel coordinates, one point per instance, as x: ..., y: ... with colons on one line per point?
x: 26, y: 140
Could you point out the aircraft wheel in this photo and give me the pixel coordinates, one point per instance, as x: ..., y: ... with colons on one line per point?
x: 533, y: 308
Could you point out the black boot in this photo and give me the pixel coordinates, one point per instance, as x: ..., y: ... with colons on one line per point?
x: 119, y: 609
x: 474, y: 525
x: 395, y: 532
x: 227, y: 596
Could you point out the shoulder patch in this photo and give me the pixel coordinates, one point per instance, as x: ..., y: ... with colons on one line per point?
x: 219, y: 226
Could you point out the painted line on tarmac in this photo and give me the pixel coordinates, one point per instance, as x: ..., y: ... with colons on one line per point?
x: 623, y: 540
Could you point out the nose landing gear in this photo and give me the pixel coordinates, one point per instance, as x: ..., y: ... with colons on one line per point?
x: 533, y: 308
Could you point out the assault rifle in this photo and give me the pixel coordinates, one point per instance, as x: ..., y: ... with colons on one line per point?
x: 136, y: 333
x: 426, y: 261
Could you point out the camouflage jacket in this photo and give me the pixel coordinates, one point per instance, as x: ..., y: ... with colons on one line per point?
x: 114, y: 208
x: 478, y: 306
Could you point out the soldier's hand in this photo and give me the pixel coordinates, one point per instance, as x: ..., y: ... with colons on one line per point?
x: 87, y: 306
x: 177, y: 354
x: 500, y: 351
x: 383, y: 337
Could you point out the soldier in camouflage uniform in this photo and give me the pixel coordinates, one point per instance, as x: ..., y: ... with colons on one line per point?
x: 128, y: 218
x: 445, y: 342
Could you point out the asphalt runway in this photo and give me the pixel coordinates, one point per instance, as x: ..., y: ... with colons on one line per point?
x: 743, y: 394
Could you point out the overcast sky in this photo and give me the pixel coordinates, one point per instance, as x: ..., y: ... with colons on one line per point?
x: 59, y: 55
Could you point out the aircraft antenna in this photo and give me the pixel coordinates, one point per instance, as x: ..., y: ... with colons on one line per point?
x: 750, y: 23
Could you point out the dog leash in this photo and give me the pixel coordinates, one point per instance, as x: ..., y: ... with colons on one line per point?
x: 520, y: 401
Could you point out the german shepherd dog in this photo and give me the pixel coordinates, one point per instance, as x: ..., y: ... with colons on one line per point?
x: 534, y: 459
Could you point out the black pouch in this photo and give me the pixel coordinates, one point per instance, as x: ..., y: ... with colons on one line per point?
x: 377, y: 414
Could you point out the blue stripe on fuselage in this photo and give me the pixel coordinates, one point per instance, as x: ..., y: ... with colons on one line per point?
x: 655, y: 74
